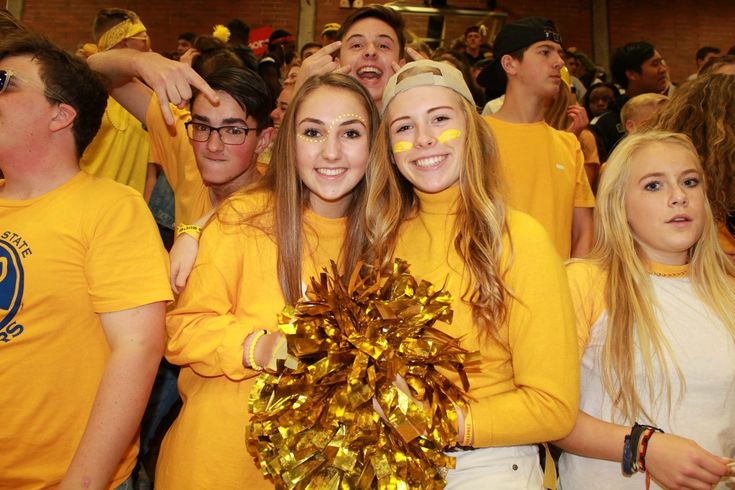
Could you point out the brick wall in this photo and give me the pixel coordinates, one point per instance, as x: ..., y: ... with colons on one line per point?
x: 674, y: 26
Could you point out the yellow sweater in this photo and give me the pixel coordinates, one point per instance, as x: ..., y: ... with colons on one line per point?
x: 529, y: 392
x: 232, y: 291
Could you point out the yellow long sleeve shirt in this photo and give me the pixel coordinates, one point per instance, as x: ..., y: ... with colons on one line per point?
x: 527, y: 390
x: 171, y: 148
x: 232, y: 291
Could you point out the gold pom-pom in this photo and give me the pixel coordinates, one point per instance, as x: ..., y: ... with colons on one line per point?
x: 221, y: 32
x: 313, y: 422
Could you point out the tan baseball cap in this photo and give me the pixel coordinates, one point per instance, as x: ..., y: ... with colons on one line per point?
x: 424, y: 73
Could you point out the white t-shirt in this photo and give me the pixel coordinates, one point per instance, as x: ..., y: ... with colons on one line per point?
x: 705, y: 353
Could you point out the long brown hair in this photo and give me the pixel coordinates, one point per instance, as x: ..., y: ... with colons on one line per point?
x: 480, y: 221
x: 289, y: 196
x: 704, y: 110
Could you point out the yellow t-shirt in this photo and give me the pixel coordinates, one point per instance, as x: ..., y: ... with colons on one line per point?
x: 120, y: 151
x: 171, y: 148
x: 232, y: 291
x: 87, y: 247
x: 543, y: 171
x: 528, y: 392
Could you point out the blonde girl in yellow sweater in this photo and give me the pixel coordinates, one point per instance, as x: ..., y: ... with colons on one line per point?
x: 434, y: 200
x: 262, y: 245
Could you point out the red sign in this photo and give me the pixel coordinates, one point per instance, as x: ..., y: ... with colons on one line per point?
x: 258, y: 40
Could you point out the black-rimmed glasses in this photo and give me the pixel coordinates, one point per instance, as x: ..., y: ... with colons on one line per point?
x: 230, y: 135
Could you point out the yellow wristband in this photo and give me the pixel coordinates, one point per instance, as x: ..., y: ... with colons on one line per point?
x: 467, y: 439
x: 193, y: 231
x: 251, y: 349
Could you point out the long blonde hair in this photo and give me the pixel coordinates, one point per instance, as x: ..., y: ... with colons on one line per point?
x: 289, y: 196
x: 480, y: 221
x: 628, y: 291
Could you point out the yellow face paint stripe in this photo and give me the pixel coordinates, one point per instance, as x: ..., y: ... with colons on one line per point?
x: 449, y: 135
x: 402, y: 146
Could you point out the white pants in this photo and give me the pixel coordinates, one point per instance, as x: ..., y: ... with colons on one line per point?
x: 506, y: 468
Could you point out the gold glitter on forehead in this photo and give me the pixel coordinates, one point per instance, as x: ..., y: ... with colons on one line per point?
x: 347, y: 115
x: 335, y: 121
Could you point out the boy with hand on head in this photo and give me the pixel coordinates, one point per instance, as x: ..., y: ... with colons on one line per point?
x: 171, y: 82
x: 370, y: 47
x: 543, y: 167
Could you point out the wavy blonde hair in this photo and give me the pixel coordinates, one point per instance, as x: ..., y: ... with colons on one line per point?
x: 704, y: 110
x: 628, y: 290
x: 289, y: 196
x: 480, y: 221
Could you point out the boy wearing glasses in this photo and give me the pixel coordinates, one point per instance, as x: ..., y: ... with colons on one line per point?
x: 201, y: 172
x: 82, y: 283
x: 543, y: 168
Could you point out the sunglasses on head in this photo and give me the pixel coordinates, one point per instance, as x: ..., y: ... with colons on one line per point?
x: 7, y: 75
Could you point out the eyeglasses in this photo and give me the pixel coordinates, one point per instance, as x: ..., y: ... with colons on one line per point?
x: 143, y: 36
x: 230, y: 135
x: 7, y: 75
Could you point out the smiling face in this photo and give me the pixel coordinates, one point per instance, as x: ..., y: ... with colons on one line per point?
x: 221, y: 164
x: 332, y: 147
x: 428, y: 129
x: 369, y: 48
x: 664, y: 202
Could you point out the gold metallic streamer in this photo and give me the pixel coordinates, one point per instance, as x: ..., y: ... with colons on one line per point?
x: 314, y: 425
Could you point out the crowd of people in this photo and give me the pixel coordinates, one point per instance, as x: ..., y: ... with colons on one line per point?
x: 584, y: 224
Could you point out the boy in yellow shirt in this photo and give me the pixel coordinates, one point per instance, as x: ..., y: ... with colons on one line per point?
x: 543, y: 168
x: 82, y: 283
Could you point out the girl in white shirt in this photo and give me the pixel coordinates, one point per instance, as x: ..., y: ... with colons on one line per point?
x: 654, y: 304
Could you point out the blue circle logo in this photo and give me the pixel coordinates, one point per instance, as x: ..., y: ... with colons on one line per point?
x: 11, y: 283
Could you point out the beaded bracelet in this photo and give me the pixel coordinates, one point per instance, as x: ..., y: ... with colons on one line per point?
x: 251, y: 349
